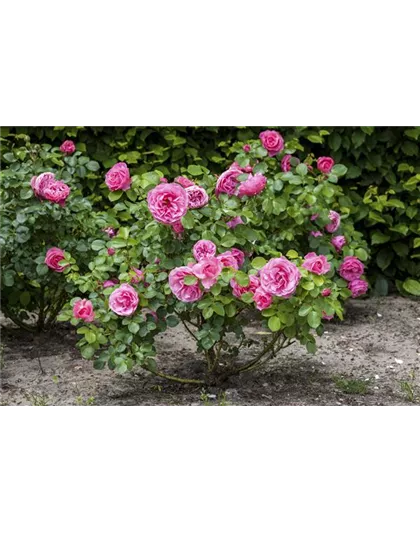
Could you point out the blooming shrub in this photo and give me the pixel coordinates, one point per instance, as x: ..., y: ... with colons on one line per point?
x: 211, y: 258
x: 44, y: 217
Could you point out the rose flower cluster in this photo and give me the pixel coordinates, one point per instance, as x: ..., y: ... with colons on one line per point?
x: 46, y: 187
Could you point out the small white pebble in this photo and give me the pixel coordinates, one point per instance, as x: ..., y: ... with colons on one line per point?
x: 376, y: 388
x: 379, y: 315
x: 376, y: 376
x: 212, y: 396
x: 350, y: 349
x: 398, y: 361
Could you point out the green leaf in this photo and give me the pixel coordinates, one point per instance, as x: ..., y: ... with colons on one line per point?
x: 242, y: 278
x: 258, y: 262
x: 304, y: 310
x: 207, y: 313
x: 195, y: 170
x: 172, y: 321
x: 339, y: 170
x: 9, y: 278
x: 315, y: 139
x: 247, y: 297
x: 115, y: 195
x: 218, y: 308
x: 379, y: 238
x: 302, y: 169
x: 381, y: 286
x: 90, y: 336
x: 87, y: 352
x: 97, y: 245
x: 133, y: 327
x: 384, y: 258
x: 118, y: 242
x: 131, y: 195
x: 188, y: 220
x: 358, y: 137
x: 334, y: 141
x: 412, y: 286
x: 400, y: 248
x: 274, y: 323
x: 25, y: 194
x: 41, y: 269
x: 25, y: 298
x: 416, y: 243
x: 314, y: 319
x: 308, y: 285
x: 228, y: 240
x: 361, y: 254
x: 93, y: 166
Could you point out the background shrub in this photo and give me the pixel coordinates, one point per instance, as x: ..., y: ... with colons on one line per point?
x: 381, y: 186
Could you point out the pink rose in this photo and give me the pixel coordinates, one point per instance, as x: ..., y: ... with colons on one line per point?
x: 110, y: 231
x: 253, y: 185
x: 339, y: 241
x: 351, y: 268
x: 238, y: 255
x: 111, y: 251
x: 246, y: 148
x: 68, y: 147
x: 280, y: 277
x: 285, y: 163
x: 162, y: 179
x: 39, y: 183
x: 316, y: 233
x: 228, y: 181
x: 118, y: 178
x: 178, y: 228
x: 124, y: 300
x: 185, y: 293
x: 262, y: 299
x: 228, y: 260
x: 327, y: 317
x: 168, y: 202
x: 325, y: 164
x: 272, y: 141
x: 335, y: 222
x: 56, y: 191
x: 317, y: 264
x: 358, y: 287
x: 203, y: 249
x: 110, y: 283
x: 234, y: 222
x: 238, y: 290
x: 326, y: 292
x: 197, y: 197
x: 83, y: 309
x: 314, y: 216
x: 207, y: 270
x: 136, y: 275
x: 53, y: 257
x: 184, y: 182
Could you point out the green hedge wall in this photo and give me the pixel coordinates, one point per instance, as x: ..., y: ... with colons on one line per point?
x: 383, y: 182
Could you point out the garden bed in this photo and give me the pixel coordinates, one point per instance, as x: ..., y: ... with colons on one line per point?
x: 372, y: 358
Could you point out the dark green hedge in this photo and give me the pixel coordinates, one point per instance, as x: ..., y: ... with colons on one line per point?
x: 383, y: 181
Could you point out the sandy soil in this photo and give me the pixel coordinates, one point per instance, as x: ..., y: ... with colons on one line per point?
x: 372, y: 358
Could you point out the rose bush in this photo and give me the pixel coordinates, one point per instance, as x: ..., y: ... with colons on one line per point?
x: 44, y: 217
x: 208, y: 263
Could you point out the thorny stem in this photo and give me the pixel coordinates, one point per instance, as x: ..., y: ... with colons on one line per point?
x: 175, y: 378
x: 18, y: 321
x: 268, y: 348
x: 262, y: 363
x: 186, y: 327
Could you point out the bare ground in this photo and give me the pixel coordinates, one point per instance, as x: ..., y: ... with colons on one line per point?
x: 372, y: 358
